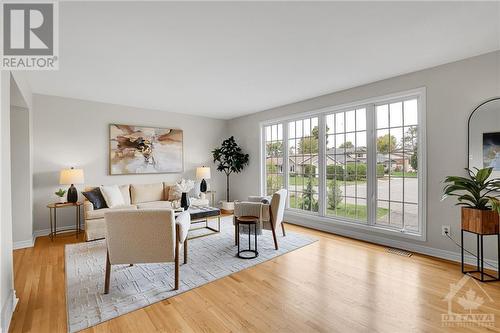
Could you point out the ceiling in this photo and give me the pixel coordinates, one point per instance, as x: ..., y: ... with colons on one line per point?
x: 227, y: 59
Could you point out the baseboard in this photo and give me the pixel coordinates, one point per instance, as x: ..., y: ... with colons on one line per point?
x: 7, y: 311
x: 438, y: 253
x: 46, y: 232
x: 24, y: 244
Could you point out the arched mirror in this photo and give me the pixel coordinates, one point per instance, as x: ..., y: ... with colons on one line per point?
x: 484, y: 136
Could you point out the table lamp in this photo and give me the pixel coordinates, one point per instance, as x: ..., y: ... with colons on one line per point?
x: 203, y: 173
x: 70, y: 177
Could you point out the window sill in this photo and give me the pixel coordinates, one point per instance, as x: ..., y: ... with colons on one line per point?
x: 301, y: 218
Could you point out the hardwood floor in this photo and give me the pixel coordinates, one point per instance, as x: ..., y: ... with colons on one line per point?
x: 334, y: 285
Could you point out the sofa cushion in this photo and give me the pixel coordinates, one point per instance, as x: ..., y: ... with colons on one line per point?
x: 166, y: 191
x: 146, y: 192
x: 96, y: 198
x: 155, y: 204
x: 99, y: 214
x: 174, y: 193
x: 125, y: 189
x: 112, y: 195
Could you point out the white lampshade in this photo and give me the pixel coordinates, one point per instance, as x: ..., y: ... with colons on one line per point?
x: 71, y: 176
x: 202, y: 173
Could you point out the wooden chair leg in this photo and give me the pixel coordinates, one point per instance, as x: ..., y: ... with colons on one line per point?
x: 272, y: 228
x: 107, y: 274
x: 176, y: 287
x: 185, y: 251
x: 283, y: 229
x: 275, y: 239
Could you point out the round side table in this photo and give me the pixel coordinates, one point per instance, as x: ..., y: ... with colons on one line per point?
x: 249, y: 221
x: 53, y: 207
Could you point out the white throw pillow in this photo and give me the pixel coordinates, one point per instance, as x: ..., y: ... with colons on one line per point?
x: 112, y: 195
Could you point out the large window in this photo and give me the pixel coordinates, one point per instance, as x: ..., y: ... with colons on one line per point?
x: 303, y: 147
x: 274, y: 158
x: 397, y: 189
x: 356, y: 164
x: 346, y: 164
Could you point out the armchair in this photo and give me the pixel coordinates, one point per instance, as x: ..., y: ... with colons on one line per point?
x: 270, y: 215
x: 145, y: 236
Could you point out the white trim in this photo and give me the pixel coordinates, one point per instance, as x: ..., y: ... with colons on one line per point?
x: 46, y: 232
x: 7, y: 310
x: 371, y: 238
x: 24, y: 244
x: 335, y: 108
x: 299, y: 215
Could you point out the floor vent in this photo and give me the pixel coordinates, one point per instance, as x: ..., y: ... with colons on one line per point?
x: 399, y: 252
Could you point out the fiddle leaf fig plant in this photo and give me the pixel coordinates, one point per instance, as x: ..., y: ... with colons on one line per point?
x: 229, y: 159
x: 60, y: 193
x: 474, y: 191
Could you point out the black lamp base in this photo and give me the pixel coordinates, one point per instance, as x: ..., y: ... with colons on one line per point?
x: 203, y: 186
x: 72, y: 194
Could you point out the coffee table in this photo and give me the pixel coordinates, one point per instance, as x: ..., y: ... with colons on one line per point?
x: 200, y: 215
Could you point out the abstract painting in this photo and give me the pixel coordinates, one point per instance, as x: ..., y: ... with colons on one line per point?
x: 491, y: 150
x: 141, y: 150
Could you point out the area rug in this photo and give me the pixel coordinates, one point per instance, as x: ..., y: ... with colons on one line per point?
x: 132, y: 288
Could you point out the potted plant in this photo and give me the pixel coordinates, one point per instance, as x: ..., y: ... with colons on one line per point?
x: 229, y: 159
x: 60, y: 193
x: 480, y: 211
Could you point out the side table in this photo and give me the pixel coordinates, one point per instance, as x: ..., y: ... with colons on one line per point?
x: 483, y: 276
x: 53, y: 217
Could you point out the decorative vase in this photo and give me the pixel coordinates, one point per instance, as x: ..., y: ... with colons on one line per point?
x: 185, y: 200
x: 61, y: 200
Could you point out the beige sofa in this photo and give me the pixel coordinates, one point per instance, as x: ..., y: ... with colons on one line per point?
x: 136, y: 196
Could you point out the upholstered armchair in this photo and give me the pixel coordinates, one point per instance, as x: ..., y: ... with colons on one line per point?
x: 268, y: 210
x: 145, y: 236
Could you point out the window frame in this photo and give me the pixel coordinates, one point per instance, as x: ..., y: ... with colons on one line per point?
x: 370, y: 105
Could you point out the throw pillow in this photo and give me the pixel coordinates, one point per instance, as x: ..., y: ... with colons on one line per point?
x: 112, y: 195
x: 96, y: 198
x: 174, y: 193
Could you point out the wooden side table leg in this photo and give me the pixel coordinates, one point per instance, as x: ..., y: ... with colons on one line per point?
x: 77, y: 226
x: 55, y: 223
x: 51, y: 235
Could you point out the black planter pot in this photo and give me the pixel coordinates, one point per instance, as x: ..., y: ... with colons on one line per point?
x: 184, y: 201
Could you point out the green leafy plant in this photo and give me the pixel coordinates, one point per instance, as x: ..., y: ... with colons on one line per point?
x: 473, y: 191
x: 60, y: 193
x: 495, y: 204
x: 229, y: 159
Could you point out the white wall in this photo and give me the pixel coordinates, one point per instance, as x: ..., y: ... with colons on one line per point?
x: 6, y: 265
x: 70, y: 132
x: 8, y: 82
x: 453, y: 91
x: 22, y: 223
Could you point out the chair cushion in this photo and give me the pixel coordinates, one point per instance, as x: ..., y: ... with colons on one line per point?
x: 112, y: 195
x: 146, y: 192
x: 99, y: 214
x: 96, y: 198
x: 155, y: 204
